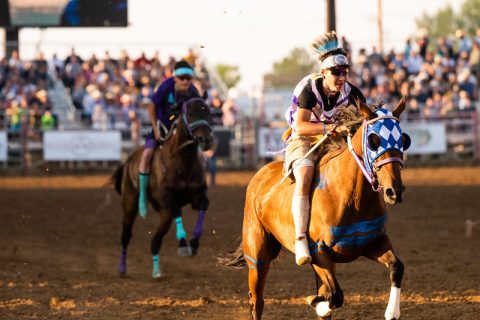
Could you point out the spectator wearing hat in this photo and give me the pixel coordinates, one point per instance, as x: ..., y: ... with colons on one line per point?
x: 164, y: 108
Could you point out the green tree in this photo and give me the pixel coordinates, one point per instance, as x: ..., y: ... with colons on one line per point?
x: 469, y: 18
x: 446, y: 21
x: 290, y: 69
x: 229, y: 74
x: 439, y: 24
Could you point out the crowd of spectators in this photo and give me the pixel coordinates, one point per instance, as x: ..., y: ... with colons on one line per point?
x: 107, y: 93
x: 439, y: 78
x: 23, y: 94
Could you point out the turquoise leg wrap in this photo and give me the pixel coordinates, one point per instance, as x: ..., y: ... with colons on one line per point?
x: 142, y: 198
x: 181, y: 233
x: 156, y: 273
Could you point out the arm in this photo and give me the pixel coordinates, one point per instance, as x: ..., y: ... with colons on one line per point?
x: 306, y: 101
x: 306, y: 128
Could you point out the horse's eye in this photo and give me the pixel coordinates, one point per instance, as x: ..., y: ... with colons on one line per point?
x: 374, y: 141
x: 406, y: 141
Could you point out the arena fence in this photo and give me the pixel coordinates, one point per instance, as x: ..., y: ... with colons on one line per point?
x: 247, y: 145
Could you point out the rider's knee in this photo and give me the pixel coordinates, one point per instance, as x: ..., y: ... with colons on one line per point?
x: 303, y: 173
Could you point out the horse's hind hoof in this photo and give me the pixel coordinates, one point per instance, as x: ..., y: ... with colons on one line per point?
x: 194, y: 244
x: 184, y: 249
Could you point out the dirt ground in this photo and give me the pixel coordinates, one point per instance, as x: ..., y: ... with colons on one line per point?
x: 60, y: 244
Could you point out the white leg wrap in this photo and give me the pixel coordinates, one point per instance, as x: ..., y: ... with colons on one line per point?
x: 323, y: 310
x: 300, y: 207
x: 393, y: 308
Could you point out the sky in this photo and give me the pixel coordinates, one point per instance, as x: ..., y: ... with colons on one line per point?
x: 251, y: 34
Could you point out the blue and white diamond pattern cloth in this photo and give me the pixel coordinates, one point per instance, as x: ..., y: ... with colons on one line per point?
x: 390, y: 134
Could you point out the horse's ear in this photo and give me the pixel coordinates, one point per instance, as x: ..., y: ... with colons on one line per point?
x: 400, y: 107
x: 365, y: 109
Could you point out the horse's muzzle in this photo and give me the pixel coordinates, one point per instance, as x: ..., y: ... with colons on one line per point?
x: 205, y: 143
x: 394, y: 195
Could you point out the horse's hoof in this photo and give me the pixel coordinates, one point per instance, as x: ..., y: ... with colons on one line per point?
x: 194, y: 244
x: 323, y: 310
x: 184, y: 249
x: 122, y: 270
x: 156, y: 275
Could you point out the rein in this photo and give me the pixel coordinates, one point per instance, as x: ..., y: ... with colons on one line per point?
x: 370, y: 172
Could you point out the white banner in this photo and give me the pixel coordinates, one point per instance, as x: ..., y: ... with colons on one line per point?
x: 81, y: 145
x: 426, y: 137
x: 3, y: 146
x: 270, y: 140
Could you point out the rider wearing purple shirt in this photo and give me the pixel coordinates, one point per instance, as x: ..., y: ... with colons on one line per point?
x: 165, y: 106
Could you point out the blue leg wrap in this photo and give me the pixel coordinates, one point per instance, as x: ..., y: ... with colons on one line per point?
x: 156, y: 273
x: 142, y: 198
x: 181, y: 233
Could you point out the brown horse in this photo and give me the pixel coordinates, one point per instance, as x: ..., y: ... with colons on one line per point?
x: 177, y: 178
x: 348, y: 216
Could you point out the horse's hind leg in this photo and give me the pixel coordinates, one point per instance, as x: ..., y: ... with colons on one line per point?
x: 381, y: 250
x: 259, y: 250
x: 129, y: 205
x: 165, y: 223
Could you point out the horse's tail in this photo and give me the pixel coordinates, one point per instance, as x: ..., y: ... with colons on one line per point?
x: 234, y: 259
x: 116, y: 178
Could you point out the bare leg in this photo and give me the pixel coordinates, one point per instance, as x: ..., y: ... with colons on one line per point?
x: 381, y: 251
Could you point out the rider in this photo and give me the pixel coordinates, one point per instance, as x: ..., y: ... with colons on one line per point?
x: 165, y: 105
x: 316, y: 100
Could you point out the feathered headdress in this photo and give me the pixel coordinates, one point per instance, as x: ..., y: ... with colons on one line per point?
x: 326, y: 45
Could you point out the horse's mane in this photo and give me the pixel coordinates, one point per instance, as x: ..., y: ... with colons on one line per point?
x: 349, y: 117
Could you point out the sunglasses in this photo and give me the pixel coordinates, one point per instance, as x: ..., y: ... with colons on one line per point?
x: 339, y: 72
x: 184, y: 77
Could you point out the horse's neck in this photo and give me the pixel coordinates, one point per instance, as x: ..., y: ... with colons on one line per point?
x: 350, y: 183
x: 180, y: 146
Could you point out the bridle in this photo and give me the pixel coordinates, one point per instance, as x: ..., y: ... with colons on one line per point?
x: 190, y: 126
x: 371, y: 165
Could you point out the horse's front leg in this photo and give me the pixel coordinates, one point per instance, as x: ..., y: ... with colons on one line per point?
x: 329, y: 294
x: 184, y: 249
x: 381, y: 251
x: 165, y: 223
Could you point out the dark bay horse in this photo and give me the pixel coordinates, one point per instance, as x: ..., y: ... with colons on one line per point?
x: 348, y: 216
x: 177, y: 178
